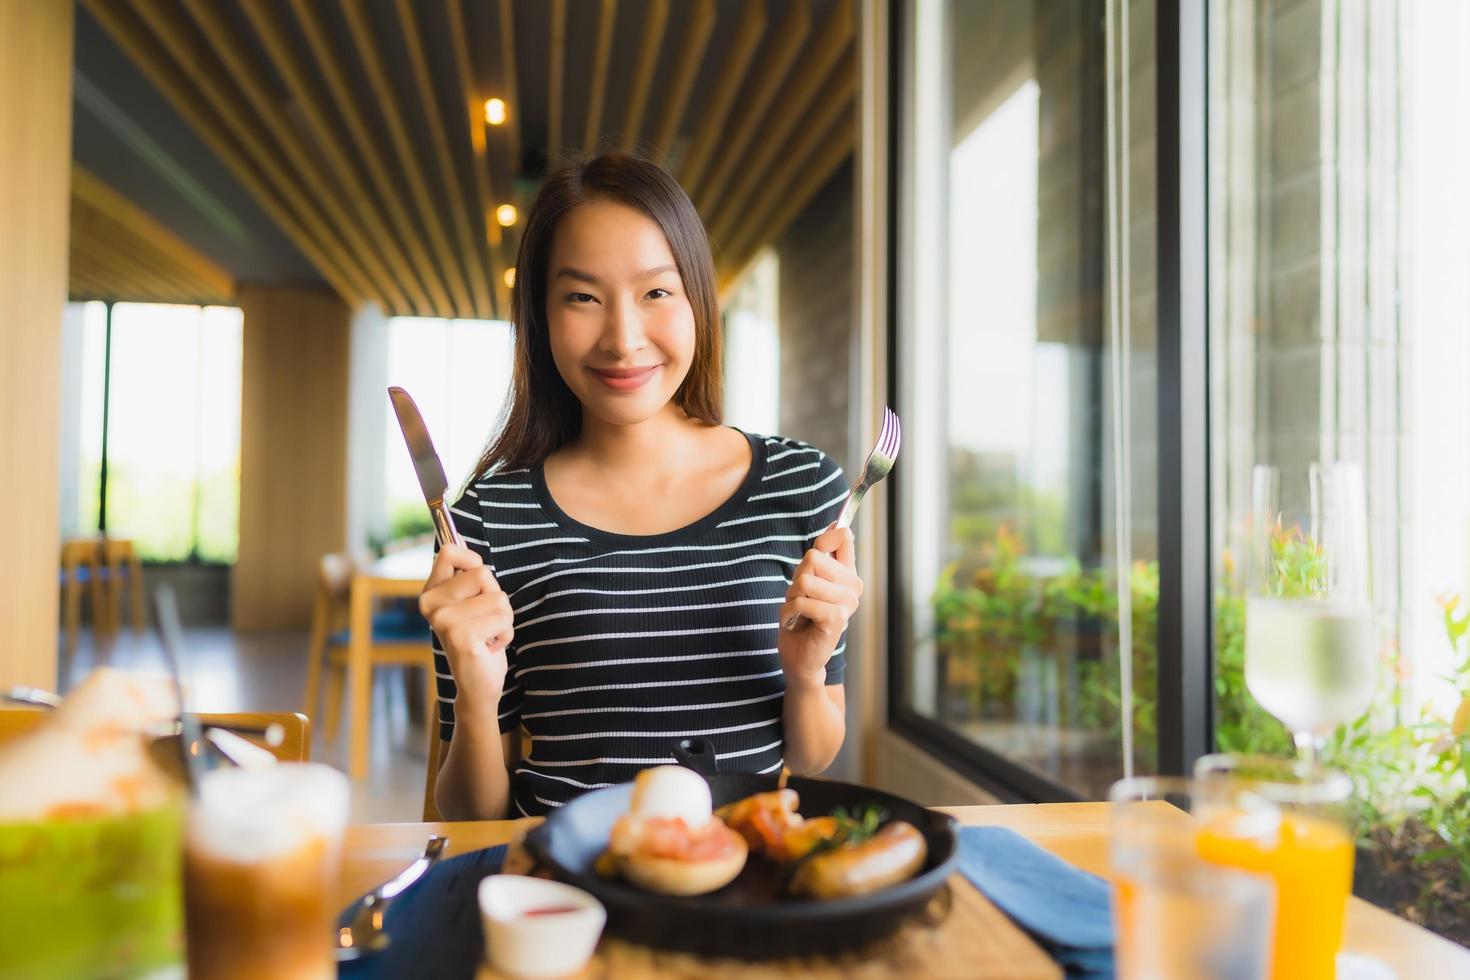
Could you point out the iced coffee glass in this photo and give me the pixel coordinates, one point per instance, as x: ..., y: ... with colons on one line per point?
x: 262, y: 856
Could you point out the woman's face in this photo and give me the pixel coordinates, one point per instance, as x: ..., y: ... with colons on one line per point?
x: 622, y: 329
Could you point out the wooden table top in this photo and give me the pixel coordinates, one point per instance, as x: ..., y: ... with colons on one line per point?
x: 409, y: 565
x: 1075, y: 832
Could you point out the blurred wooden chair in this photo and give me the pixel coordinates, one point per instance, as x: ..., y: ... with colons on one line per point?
x: 431, y: 776
x: 399, y: 638
x: 294, y: 747
x: 123, y: 568
x: 81, y: 569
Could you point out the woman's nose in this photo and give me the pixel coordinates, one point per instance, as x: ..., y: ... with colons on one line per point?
x: 622, y: 332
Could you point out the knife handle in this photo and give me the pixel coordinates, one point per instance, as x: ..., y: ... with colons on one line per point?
x: 444, y: 527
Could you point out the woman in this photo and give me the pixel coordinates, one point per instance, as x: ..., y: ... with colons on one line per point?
x: 629, y: 559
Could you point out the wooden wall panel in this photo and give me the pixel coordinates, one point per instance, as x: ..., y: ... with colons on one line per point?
x: 35, y: 169
x: 293, y: 451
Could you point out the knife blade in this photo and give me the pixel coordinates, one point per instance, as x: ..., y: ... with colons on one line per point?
x: 425, y: 464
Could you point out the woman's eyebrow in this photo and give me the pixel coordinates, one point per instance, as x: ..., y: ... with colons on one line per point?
x: 571, y: 273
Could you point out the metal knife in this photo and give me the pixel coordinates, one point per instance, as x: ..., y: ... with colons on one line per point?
x: 426, y: 464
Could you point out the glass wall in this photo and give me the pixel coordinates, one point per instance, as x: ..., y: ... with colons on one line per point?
x: 1340, y: 332
x: 170, y: 427
x: 1026, y: 381
x: 458, y: 372
x: 753, y: 348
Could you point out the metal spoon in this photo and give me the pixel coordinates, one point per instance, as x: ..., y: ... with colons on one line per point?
x: 365, y: 934
x: 196, y: 759
x: 25, y: 694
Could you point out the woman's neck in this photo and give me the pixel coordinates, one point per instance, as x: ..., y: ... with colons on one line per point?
x: 663, y: 442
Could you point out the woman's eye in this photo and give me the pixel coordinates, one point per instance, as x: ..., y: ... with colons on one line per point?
x: 581, y: 298
x: 660, y: 289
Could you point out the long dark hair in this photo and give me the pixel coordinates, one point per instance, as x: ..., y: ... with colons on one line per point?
x: 542, y: 414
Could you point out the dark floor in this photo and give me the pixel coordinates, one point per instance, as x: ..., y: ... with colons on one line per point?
x: 266, y: 671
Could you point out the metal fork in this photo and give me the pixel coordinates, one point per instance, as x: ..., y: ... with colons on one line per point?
x: 877, y: 466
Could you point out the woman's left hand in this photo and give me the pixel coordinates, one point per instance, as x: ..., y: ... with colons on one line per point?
x: 824, y: 591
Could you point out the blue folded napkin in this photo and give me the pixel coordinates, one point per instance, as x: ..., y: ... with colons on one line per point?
x: 1066, y: 910
x: 433, y: 928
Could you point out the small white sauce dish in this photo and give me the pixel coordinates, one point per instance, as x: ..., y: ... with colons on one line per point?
x: 537, y: 928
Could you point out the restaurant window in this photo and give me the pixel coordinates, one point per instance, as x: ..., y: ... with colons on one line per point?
x: 1340, y: 333
x: 159, y: 401
x: 753, y: 348
x: 458, y: 372
x: 1027, y: 515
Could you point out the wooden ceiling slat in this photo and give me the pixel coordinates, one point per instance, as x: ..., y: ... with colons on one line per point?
x: 170, y: 27
x: 510, y: 84
x: 482, y: 186
x: 265, y: 17
x: 691, y: 49
x: 555, y: 81
x: 462, y: 209
x: 123, y: 266
x: 102, y: 278
x: 249, y: 78
x: 607, y: 16
x: 369, y: 151
x: 144, y: 52
x: 120, y: 247
x: 338, y: 162
x: 369, y: 53
x: 119, y: 251
x: 792, y: 188
x: 650, y: 43
x: 89, y: 192
x: 127, y: 281
x: 82, y: 286
x: 806, y: 87
x: 768, y: 76
x: 716, y: 110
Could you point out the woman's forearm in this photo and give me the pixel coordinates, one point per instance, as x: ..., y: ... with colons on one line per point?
x: 815, y: 726
x: 474, y: 782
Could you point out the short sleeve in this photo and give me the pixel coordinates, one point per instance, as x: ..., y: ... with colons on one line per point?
x: 471, y: 527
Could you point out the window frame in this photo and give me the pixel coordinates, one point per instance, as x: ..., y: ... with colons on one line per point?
x: 1186, y: 608
x: 193, y: 559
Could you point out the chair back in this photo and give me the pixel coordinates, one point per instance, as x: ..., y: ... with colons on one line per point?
x: 294, y: 747
x: 117, y: 551
x: 78, y: 553
x: 335, y: 575
x: 431, y: 809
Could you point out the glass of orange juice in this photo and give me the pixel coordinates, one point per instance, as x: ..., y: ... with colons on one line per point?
x: 1177, y: 914
x: 1308, y: 854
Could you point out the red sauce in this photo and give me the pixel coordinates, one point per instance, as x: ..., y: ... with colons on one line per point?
x: 553, y: 910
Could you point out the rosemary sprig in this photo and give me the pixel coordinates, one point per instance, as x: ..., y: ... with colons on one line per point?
x: 852, y: 828
x: 858, y: 826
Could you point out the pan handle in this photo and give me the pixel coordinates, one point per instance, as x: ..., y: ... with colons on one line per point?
x: 696, y: 754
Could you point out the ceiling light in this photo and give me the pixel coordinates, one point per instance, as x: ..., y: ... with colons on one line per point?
x: 506, y: 215
x: 510, y: 278
x: 494, y: 111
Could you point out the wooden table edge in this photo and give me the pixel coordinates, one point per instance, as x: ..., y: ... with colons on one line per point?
x: 1075, y: 832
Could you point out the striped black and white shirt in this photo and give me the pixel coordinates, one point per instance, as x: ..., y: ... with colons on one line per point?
x: 625, y: 644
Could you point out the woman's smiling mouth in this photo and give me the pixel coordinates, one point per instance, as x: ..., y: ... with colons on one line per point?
x: 624, y: 379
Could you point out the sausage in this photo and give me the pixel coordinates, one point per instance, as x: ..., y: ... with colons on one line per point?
x: 895, y: 853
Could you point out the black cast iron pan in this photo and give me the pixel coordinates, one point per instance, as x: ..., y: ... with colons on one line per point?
x: 749, y: 918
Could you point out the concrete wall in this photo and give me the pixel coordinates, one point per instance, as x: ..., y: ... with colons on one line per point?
x: 816, y: 320
x: 818, y: 334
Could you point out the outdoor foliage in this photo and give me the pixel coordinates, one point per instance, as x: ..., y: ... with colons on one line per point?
x: 999, y: 609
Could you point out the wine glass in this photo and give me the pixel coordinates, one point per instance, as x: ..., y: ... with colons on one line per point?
x: 1309, y: 652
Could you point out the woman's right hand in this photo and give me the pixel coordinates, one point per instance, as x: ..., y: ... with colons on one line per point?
x: 471, y: 615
